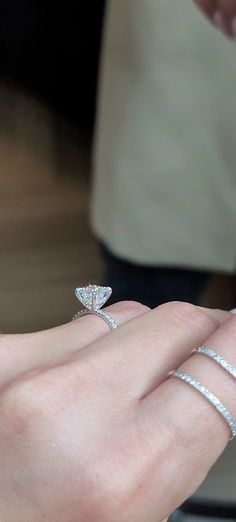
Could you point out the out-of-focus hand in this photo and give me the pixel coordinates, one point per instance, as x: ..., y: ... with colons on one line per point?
x: 91, y: 430
x: 222, y: 13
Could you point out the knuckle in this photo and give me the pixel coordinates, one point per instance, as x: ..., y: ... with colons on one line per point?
x: 131, y: 307
x: 4, y: 341
x: 230, y: 329
x: 232, y: 321
x: 27, y: 401
x: 17, y: 405
x: 197, y: 318
x: 179, y: 309
x: 203, y: 320
x: 41, y: 397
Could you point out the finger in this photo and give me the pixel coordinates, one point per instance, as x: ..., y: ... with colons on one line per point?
x: 207, y: 6
x: 143, y: 350
x: 227, y: 11
x: 195, y: 431
x: 25, y: 352
x: 221, y: 13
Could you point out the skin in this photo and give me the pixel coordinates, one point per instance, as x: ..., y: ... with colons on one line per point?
x: 91, y: 427
x: 221, y: 12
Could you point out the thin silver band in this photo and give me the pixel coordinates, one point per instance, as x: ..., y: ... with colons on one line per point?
x: 209, y: 396
x: 104, y: 315
x: 218, y: 359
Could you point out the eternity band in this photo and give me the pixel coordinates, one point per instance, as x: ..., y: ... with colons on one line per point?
x: 104, y: 315
x: 209, y: 396
x: 218, y: 359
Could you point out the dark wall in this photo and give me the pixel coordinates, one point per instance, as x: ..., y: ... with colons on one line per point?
x: 52, y: 50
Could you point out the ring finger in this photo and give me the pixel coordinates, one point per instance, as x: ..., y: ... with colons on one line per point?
x: 26, y: 352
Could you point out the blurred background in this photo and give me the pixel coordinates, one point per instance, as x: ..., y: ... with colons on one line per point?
x: 48, y: 79
x: 49, y: 73
x: 48, y: 85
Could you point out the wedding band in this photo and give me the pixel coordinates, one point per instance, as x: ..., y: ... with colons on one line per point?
x: 93, y: 297
x: 209, y: 396
x: 217, y: 358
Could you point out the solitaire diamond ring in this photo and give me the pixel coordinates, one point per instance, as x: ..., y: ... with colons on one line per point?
x: 93, y: 297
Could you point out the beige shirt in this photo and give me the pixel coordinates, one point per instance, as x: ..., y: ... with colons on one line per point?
x: 165, y: 157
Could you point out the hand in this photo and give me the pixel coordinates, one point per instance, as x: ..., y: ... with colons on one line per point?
x: 92, y: 431
x: 222, y: 13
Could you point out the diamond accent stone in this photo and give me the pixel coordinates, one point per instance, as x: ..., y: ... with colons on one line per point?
x: 100, y: 313
x: 93, y: 297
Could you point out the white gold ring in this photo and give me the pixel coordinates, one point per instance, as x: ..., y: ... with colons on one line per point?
x: 93, y: 297
x: 209, y: 396
x: 217, y: 358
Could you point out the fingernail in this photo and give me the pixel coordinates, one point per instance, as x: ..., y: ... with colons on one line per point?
x: 233, y: 27
x: 233, y: 311
x: 218, y: 20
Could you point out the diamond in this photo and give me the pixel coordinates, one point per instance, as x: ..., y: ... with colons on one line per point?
x: 93, y: 297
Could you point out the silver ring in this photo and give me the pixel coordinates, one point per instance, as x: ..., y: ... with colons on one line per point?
x: 112, y: 323
x: 93, y: 297
x: 209, y: 396
x: 218, y: 359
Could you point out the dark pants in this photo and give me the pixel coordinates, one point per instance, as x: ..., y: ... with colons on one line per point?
x: 152, y: 285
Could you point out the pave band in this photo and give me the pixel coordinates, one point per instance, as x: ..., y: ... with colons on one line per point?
x: 104, y: 315
x: 209, y: 396
x: 218, y: 359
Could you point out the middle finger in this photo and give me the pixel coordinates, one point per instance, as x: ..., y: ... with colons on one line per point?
x: 143, y: 350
